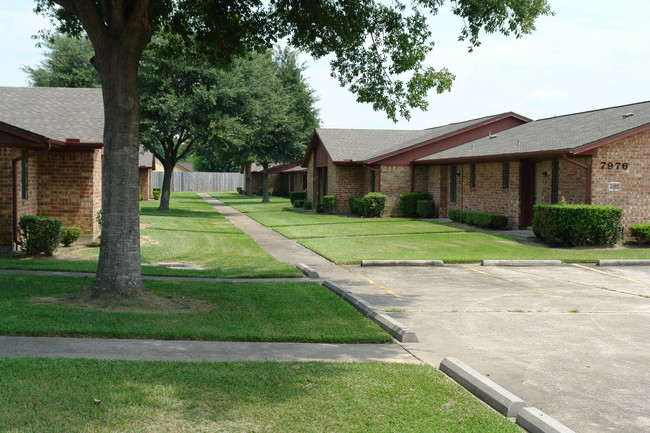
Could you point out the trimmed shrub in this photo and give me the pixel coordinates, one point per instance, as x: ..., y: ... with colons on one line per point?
x: 577, y: 224
x: 320, y: 208
x: 156, y: 195
x: 307, y: 204
x: 240, y: 190
x: 297, y: 195
x: 408, y: 203
x: 39, y: 234
x: 479, y: 219
x: 355, y: 205
x: 372, y: 205
x: 69, y: 235
x: 298, y: 203
x: 641, y: 232
x: 427, y: 209
x: 329, y: 203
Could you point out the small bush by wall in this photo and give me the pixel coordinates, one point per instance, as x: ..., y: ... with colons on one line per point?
x: 427, y: 209
x: 408, y: 203
x: 298, y: 203
x: 69, y: 235
x: 329, y: 203
x: 372, y: 205
x: 355, y: 205
x: 297, y: 195
x: 641, y: 232
x: 320, y: 208
x: 307, y: 204
x: 480, y: 219
x: 39, y: 234
x: 577, y: 224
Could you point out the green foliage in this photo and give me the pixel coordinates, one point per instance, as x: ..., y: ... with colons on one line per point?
x: 641, y: 232
x: 427, y: 209
x: 298, y: 203
x: 372, y: 205
x: 66, y: 64
x: 329, y: 203
x: 39, y: 234
x: 69, y: 235
x: 240, y: 190
x: 408, y: 203
x: 297, y: 195
x: 156, y: 195
x: 355, y: 205
x: 320, y: 208
x: 577, y: 224
x: 307, y: 204
x: 480, y: 219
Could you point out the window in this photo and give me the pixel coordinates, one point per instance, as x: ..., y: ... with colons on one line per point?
x: 555, y: 181
x: 24, y: 176
x: 472, y: 176
x: 453, y: 183
x: 506, y: 175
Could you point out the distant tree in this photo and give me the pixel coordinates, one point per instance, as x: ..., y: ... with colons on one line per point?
x: 379, y: 52
x: 66, y: 63
x: 210, y: 163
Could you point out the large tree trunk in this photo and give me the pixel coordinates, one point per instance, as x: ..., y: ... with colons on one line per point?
x: 249, y: 179
x: 166, y: 189
x: 116, y: 59
x: 265, y: 183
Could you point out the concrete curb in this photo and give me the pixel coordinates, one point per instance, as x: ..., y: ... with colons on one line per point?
x: 402, y: 263
x: 397, y: 330
x: 521, y: 263
x: 499, y: 398
x: 307, y: 271
x: 624, y: 262
x: 536, y: 421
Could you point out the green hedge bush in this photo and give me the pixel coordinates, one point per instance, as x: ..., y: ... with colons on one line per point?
x: 427, y: 209
x: 320, y: 208
x: 298, y: 203
x: 641, y: 232
x: 297, y: 195
x: 577, y: 224
x: 39, y: 234
x: 307, y: 204
x: 69, y: 235
x: 329, y: 203
x: 355, y: 205
x: 372, y: 205
x: 479, y: 219
x: 408, y: 203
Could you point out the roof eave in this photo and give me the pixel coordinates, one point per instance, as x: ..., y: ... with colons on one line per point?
x: 499, y: 157
x: 612, y: 138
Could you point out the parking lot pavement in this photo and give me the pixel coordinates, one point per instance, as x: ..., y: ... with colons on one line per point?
x: 571, y: 340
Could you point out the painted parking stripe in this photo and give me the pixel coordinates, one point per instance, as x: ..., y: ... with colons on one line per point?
x: 608, y: 273
x: 386, y: 289
x: 541, y: 292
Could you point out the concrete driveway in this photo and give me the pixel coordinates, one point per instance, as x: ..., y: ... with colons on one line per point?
x: 572, y: 340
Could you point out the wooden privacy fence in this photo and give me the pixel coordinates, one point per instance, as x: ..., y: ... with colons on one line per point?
x: 199, y: 181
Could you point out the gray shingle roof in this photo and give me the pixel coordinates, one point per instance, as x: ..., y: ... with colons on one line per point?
x: 54, y: 112
x: 367, y: 144
x: 554, y: 134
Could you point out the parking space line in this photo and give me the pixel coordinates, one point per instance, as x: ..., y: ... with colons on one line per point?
x: 480, y: 272
x: 541, y: 292
x: 608, y: 273
x: 386, y: 289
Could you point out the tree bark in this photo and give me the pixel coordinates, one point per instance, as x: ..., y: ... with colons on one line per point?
x: 249, y: 179
x: 166, y: 189
x: 265, y: 183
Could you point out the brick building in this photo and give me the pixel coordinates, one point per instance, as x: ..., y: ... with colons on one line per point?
x: 350, y: 163
x: 51, y: 147
x: 283, y: 178
x: 600, y: 157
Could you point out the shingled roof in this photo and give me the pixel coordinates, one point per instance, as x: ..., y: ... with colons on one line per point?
x: 55, y: 113
x: 362, y: 145
x: 572, y: 133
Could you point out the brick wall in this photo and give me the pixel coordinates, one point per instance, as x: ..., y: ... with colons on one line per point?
x: 6, y: 155
x: 395, y: 180
x: 68, y: 190
x: 351, y: 181
x: 572, y: 182
x: 144, y: 181
x: 634, y: 194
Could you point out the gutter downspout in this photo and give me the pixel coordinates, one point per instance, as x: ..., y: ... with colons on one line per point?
x: 588, y: 169
x: 378, y: 171
x: 14, y: 187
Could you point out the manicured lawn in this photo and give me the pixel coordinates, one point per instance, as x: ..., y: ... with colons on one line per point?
x: 57, y: 395
x: 369, y: 228
x: 293, y: 312
x: 193, y: 233
x: 456, y: 247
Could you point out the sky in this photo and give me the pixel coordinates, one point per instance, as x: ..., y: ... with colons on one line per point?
x: 592, y: 54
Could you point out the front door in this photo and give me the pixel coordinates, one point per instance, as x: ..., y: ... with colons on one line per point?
x: 527, y: 192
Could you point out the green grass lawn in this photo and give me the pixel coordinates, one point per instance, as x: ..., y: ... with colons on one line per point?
x: 369, y: 228
x: 293, y: 312
x: 456, y: 247
x: 58, y: 395
x: 192, y: 232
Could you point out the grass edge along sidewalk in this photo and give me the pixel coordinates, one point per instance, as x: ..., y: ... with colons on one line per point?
x: 454, y: 247
x: 54, y: 395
